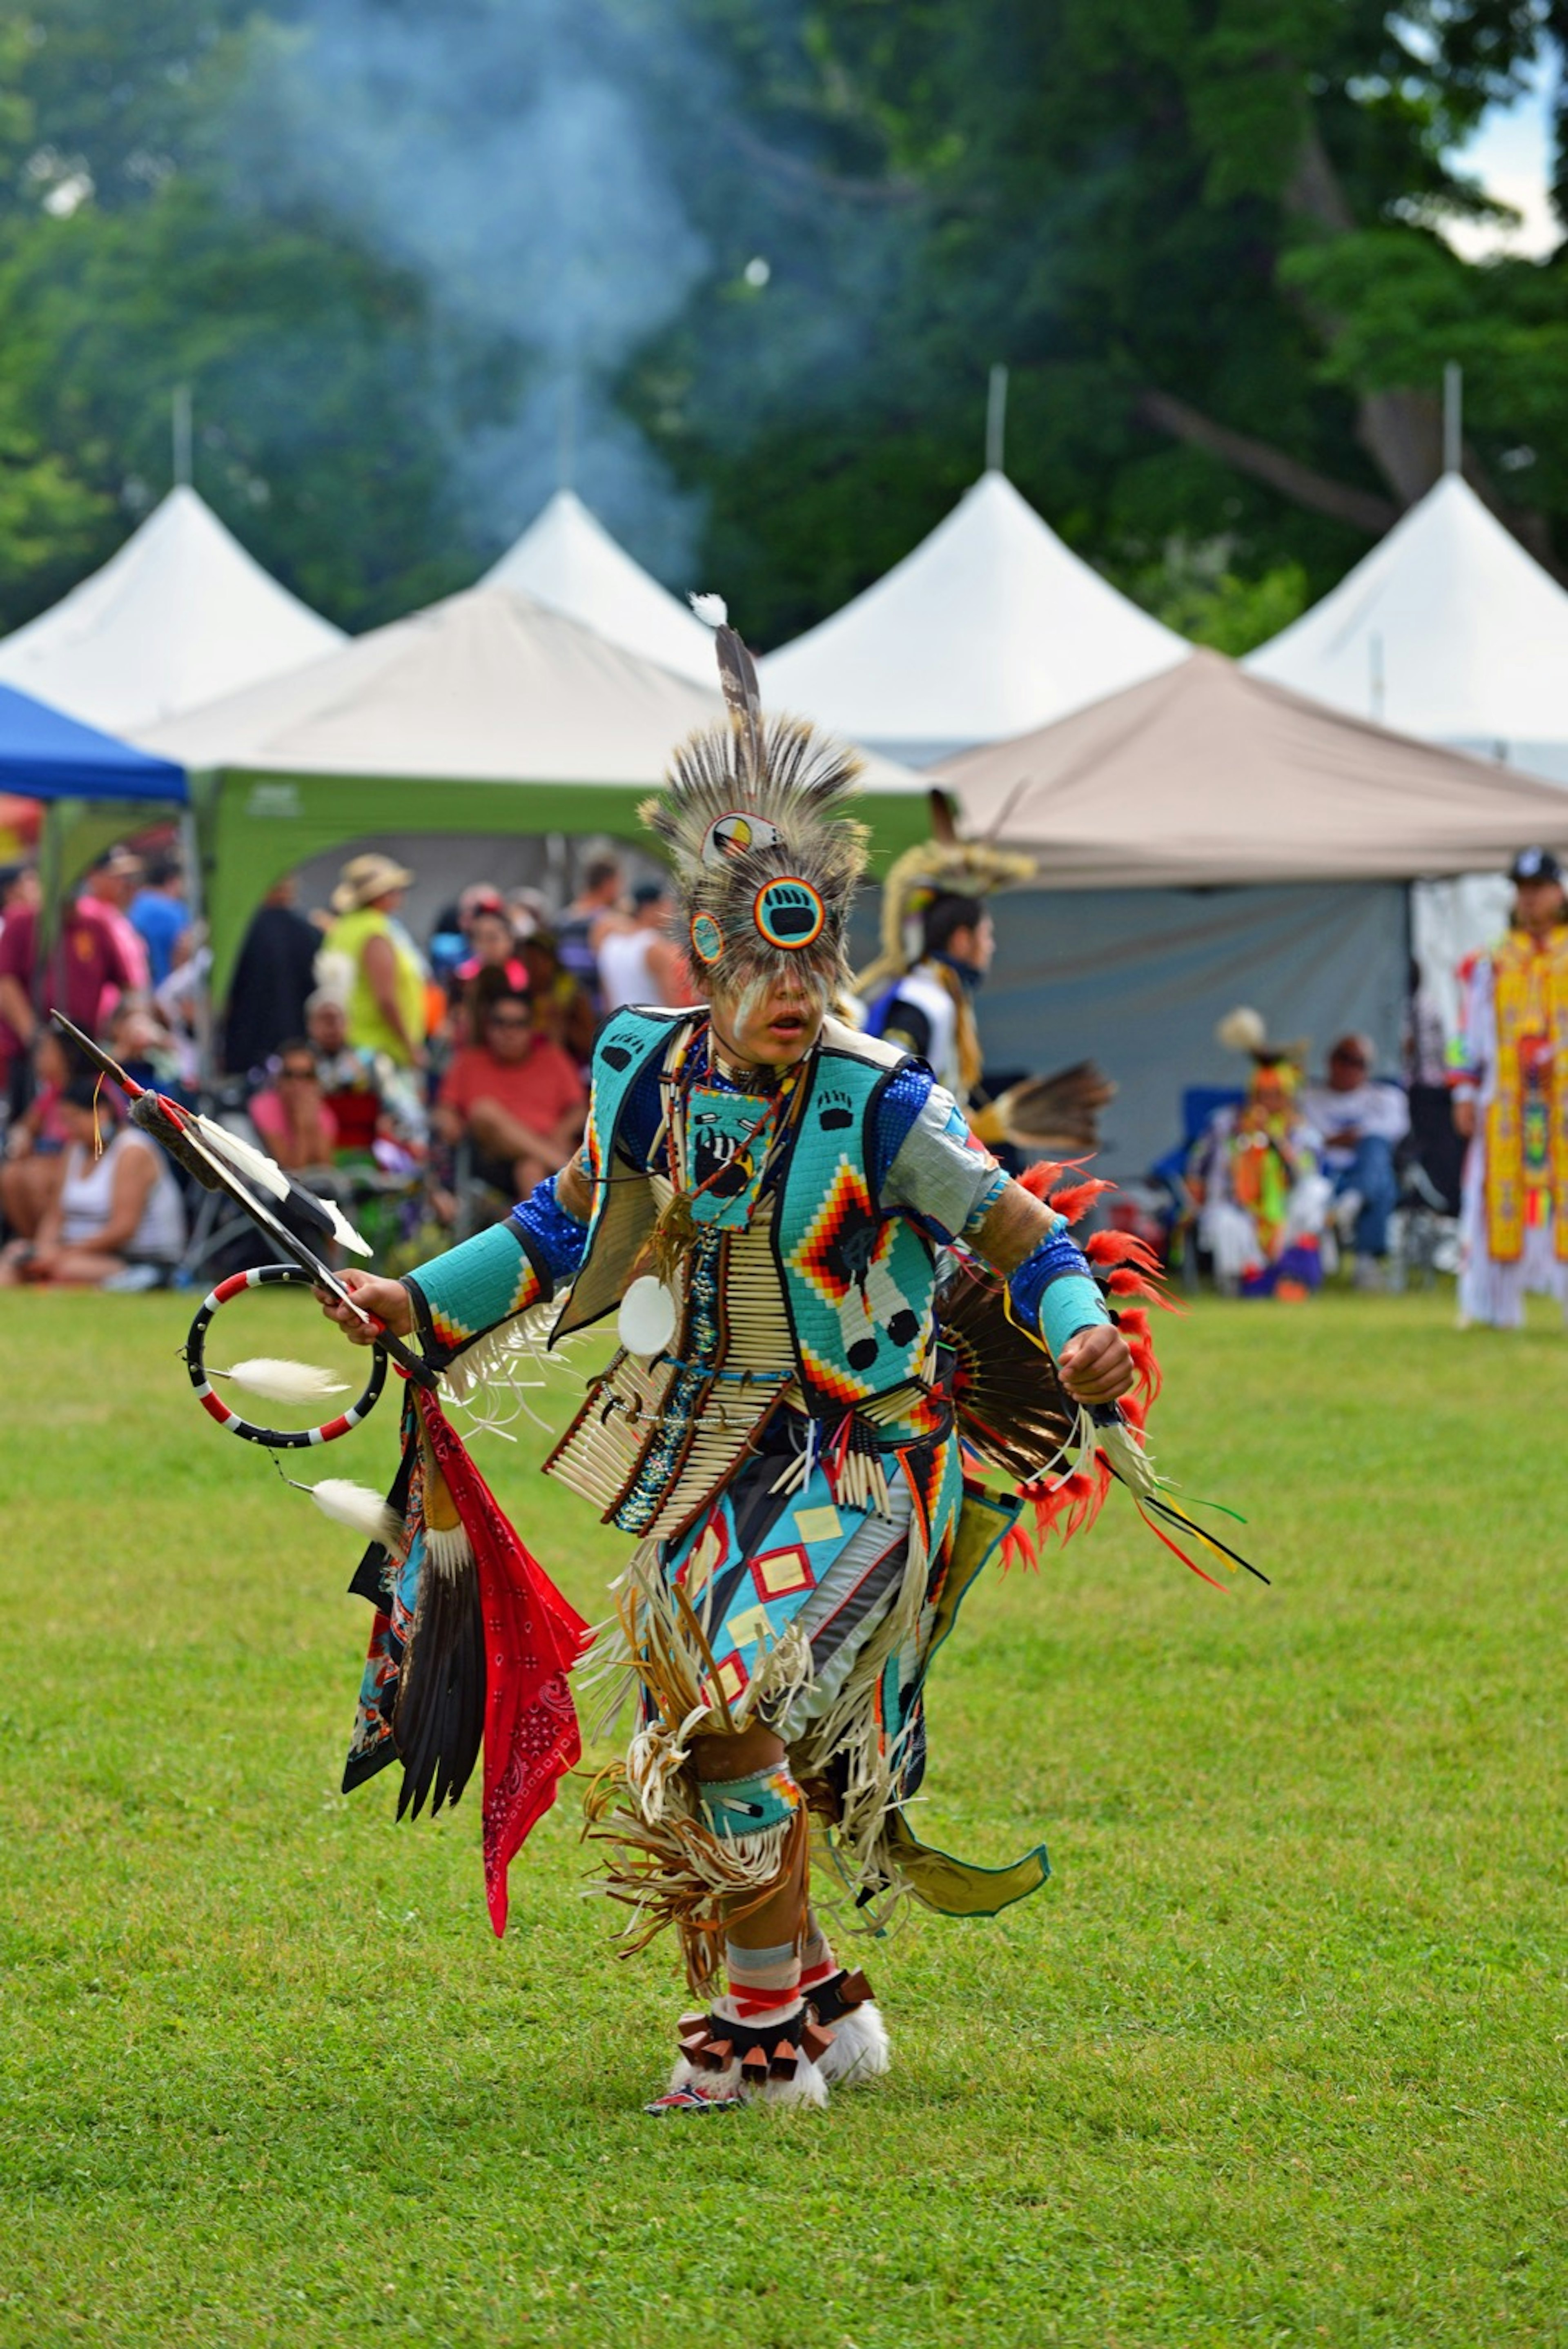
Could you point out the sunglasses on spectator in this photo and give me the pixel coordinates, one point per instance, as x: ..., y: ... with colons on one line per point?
x: 299, y: 1070
x: 510, y: 1019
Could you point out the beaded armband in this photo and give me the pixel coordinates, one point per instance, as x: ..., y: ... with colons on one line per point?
x: 497, y: 1274
x: 1054, y: 1295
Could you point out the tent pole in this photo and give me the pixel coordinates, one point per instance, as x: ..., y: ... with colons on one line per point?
x: 1453, y: 417
x: 202, y: 995
x: 996, y: 419
x: 179, y: 428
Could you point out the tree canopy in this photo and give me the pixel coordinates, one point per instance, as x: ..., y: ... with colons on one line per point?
x: 748, y: 263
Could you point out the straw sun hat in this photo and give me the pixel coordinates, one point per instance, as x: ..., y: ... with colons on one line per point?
x: 364, y: 879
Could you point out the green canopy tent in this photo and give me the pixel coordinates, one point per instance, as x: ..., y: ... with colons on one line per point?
x: 485, y: 714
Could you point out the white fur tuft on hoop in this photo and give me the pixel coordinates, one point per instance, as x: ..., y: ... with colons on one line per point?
x: 281, y: 1382
x: 359, y: 1507
x: 1243, y: 1031
x: 712, y: 610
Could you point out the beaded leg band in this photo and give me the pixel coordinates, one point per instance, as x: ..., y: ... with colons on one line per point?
x: 710, y: 2043
x: 838, y: 1995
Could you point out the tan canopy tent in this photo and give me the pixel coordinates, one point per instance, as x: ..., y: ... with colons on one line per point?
x: 1205, y: 840
x: 1207, y: 775
x: 485, y: 715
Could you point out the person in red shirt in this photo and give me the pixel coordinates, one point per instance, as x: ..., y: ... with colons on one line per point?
x: 516, y: 1096
x: 86, y: 971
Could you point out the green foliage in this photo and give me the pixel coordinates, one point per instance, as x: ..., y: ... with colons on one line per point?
x: 1227, y: 203
x: 1195, y: 590
x: 1278, y: 2057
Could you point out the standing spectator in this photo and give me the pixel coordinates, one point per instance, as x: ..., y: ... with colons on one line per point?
x: 1360, y: 1122
x: 84, y: 976
x: 595, y: 908
x: 517, y: 1098
x: 161, y: 916
x: 35, y: 1138
x: 18, y: 890
x: 1510, y: 1104
x: 643, y: 964
x: 385, y: 1001
x: 115, y: 1208
x: 292, y: 1116
x: 273, y: 980
x: 107, y: 892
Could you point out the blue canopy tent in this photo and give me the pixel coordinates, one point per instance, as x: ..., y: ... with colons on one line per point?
x: 44, y: 755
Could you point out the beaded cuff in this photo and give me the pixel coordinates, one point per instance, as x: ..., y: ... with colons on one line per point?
x: 1055, y: 1294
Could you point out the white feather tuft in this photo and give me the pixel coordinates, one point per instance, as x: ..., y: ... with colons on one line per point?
x: 281, y: 1381
x: 359, y: 1507
x: 712, y: 610
x: 1243, y: 1031
x: 240, y: 1157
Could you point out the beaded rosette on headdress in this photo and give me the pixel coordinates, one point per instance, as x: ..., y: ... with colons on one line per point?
x: 764, y: 863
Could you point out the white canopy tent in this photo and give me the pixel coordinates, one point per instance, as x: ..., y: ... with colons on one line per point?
x: 1448, y: 630
x: 179, y: 614
x: 567, y: 560
x: 485, y: 715
x: 1208, y: 839
x: 990, y: 627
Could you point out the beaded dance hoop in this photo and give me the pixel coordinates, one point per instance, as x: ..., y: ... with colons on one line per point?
x: 292, y: 1439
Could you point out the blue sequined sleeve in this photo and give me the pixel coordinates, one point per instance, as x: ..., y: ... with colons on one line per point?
x: 551, y: 1239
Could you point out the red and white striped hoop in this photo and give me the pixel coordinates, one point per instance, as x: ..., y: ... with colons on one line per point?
x: 275, y: 1439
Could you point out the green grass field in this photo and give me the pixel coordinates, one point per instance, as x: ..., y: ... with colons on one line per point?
x: 1279, y: 2056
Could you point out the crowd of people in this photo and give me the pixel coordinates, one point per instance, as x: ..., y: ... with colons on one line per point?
x: 448, y: 1077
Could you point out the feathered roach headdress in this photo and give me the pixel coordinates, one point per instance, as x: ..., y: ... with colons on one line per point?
x: 765, y: 866
x: 942, y: 867
x: 1245, y: 1030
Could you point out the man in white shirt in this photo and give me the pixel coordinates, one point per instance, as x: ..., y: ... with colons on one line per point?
x: 1361, y: 1122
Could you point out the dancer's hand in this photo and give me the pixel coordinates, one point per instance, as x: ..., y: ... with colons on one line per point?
x: 387, y: 1301
x: 1095, y: 1366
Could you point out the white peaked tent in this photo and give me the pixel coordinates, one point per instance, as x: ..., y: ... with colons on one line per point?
x: 485, y: 715
x: 990, y: 629
x: 567, y: 560
x: 1448, y: 630
x: 179, y: 614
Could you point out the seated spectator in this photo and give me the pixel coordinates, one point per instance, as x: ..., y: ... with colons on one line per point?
x: 36, y: 1140
x: 368, y: 1097
x: 296, y: 1122
x: 1360, y: 1122
x: 160, y: 916
x: 115, y: 1211
x: 1262, y: 1201
x: 516, y: 1097
x: 145, y: 1049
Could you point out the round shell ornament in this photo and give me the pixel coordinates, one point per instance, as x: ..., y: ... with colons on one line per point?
x: 789, y: 913
x: 647, y: 1319
x: 707, y: 937
x: 737, y: 835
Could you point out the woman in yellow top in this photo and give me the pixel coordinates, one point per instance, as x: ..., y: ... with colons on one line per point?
x: 385, y: 1000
